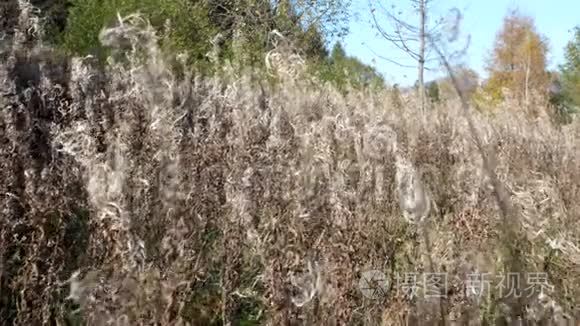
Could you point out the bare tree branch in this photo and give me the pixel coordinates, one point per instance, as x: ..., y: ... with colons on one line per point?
x: 396, y: 39
x: 389, y: 60
x: 501, y: 195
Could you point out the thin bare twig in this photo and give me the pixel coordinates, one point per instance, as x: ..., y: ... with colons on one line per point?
x: 501, y: 195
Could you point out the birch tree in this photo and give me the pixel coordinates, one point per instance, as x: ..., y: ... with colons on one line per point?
x: 518, y: 60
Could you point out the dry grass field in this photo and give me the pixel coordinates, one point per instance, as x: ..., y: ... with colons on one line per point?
x: 131, y: 195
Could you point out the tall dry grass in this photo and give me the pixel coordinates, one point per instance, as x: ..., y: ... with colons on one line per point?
x: 133, y: 195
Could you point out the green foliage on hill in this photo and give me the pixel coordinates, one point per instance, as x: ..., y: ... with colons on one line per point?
x: 570, y: 71
x: 237, y: 31
x: 344, y: 70
x: 184, y: 25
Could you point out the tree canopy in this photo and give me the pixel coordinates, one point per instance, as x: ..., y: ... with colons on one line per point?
x: 570, y: 70
x: 518, y: 60
x: 238, y: 29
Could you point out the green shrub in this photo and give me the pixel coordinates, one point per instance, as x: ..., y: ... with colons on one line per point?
x: 184, y: 25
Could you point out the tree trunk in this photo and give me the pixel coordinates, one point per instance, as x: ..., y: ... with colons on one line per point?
x: 527, y: 84
x: 422, y: 12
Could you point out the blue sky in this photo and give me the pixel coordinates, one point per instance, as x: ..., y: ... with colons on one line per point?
x: 482, y: 19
